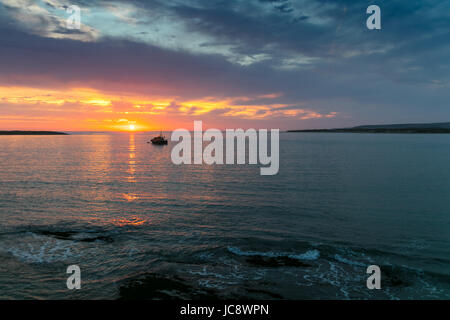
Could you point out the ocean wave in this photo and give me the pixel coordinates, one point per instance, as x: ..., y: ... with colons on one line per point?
x: 308, y: 255
x: 46, y: 252
x: 37, y: 248
x: 348, y: 261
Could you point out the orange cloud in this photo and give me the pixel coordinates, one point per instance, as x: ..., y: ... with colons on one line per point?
x: 89, y: 109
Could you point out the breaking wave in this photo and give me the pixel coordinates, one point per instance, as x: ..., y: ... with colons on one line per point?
x: 308, y: 255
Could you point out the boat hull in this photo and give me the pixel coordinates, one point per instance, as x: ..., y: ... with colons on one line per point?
x: 160, y: 143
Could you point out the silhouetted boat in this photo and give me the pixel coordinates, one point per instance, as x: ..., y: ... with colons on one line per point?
x: 160, y: 140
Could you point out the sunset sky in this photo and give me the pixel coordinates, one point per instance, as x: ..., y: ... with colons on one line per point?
x: 160, y: 65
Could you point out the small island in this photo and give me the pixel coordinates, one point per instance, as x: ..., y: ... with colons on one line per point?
x: 443, y: 127
x: 30, y: 133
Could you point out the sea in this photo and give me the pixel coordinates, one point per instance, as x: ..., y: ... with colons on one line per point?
x: 140, y: 227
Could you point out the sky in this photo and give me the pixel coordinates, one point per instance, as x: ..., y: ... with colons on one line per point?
x: 161, y: 64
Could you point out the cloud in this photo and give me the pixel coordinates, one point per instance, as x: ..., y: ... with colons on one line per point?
x: 84, y: 107
x: 281, y: 62
x: 45, y: 21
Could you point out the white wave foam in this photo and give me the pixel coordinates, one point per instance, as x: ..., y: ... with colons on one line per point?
x: 205, y: 273
x: 42, y: 250
x: 211, y: 284
x: 308, y: 255
x: 350, y: 262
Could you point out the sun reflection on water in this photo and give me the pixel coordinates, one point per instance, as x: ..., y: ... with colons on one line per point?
x: 132, y: 221
x: 130, y: 196
x: 131, y: 159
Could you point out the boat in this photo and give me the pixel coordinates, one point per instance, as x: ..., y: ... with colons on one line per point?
x: 159, y: 140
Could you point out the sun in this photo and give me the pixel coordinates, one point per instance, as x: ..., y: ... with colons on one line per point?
x: 132, y: 127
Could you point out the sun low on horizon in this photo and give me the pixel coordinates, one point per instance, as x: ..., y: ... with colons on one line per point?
x: 139, y: 73
x: 91, y: 109
x: 262, y: 152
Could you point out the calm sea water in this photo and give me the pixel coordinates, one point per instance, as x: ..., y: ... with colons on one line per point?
x: 140, y: 227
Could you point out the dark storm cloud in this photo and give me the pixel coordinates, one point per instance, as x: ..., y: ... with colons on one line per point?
x: 122, y: 65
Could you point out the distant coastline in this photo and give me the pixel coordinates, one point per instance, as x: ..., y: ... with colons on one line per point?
x: 31, y: 133
x: 443, y: 127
